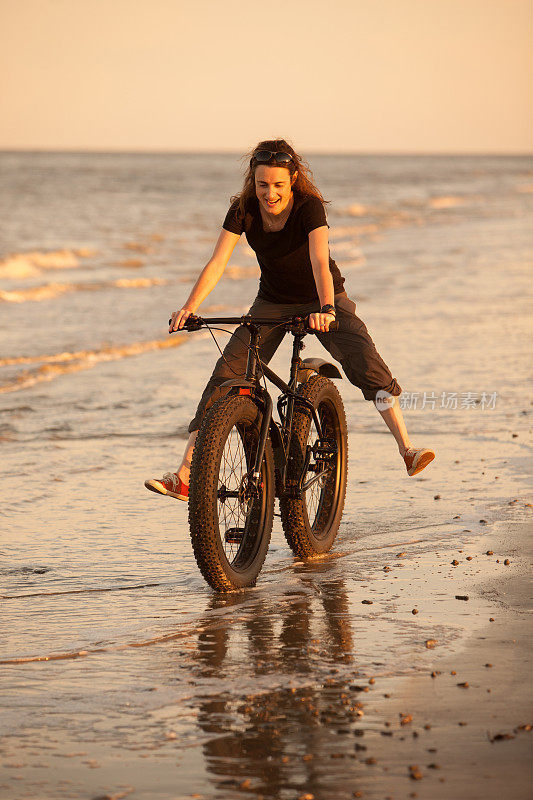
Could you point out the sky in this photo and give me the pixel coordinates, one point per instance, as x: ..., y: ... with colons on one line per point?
x: 398, y: 76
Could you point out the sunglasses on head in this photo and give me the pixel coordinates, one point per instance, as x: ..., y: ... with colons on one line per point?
x: 263, y: 156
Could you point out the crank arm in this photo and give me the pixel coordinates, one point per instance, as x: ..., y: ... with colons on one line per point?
x: 313, y: 480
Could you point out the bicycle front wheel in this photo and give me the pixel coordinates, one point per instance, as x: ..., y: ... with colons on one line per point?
x: 312, y: 505
x: 230, y: 524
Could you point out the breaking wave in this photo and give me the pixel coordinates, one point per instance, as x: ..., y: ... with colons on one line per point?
x: 52, y: 366
x: 50, y: 290
x: 447, y: 201
x: 29, y: 265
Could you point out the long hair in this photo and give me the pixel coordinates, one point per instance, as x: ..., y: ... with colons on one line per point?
x: 303, y: 183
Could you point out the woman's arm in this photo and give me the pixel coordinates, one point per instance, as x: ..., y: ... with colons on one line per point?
x: 319, y: 254
x: 208, y: 278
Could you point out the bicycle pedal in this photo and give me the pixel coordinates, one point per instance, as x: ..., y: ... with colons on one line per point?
x: 324, y: 450
x: 234, y: 535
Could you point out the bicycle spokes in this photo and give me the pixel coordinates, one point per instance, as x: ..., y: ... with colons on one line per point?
x: 231, y: 502
x: 313, y: 492
x: 319, y: 467
x: 237, y: 493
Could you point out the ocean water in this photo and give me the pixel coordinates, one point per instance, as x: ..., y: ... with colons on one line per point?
x: 113, y: 648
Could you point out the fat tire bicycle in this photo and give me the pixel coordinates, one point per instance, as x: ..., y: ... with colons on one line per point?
x: 243, y: 458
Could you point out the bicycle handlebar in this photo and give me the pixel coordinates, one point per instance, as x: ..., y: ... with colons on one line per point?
x: 194, y: 323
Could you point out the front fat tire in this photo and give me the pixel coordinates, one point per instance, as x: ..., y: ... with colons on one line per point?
x: 222, y: 421
x: 308, y: 538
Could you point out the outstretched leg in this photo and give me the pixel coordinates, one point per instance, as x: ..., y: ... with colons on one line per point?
x: 395, y: 423
x: 352, y: 345
x: 415, y: 459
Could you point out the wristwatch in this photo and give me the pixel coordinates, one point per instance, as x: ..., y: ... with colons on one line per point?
x: 328, y: 309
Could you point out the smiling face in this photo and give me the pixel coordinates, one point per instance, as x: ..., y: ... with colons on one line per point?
x: 273, y: 187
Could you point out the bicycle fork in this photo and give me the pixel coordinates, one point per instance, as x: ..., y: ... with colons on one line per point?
x: 263, y: 434
x: 251, y: 374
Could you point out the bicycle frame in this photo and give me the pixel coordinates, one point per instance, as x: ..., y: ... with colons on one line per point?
x: 255, y: 367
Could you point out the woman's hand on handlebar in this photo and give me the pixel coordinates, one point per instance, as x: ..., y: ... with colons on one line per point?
x: 321, y: 322
x: 179, y: 318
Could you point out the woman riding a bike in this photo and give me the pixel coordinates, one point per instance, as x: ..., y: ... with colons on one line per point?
x: 282, y: 214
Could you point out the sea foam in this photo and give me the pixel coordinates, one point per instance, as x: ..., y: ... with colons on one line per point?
x: 28, y: 265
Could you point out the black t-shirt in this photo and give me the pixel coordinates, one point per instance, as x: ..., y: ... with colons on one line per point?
x: 283, y: 256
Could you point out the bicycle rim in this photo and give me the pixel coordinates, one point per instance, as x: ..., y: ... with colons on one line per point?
x: 239, y: 516
x: 319, y: 498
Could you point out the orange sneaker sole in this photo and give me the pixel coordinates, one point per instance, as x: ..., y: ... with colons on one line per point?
x: 423, y: 461
x: 158, y: 488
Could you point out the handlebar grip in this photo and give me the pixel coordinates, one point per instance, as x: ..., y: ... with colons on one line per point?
x: 333, y: 326
x: 192, y: 323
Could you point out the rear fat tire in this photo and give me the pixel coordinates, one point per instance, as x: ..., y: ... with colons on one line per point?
x: 306, y: 537
x: 242, y: 567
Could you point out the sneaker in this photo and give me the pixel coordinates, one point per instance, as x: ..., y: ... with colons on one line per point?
x: 417, y: 460
x: 169, y: 484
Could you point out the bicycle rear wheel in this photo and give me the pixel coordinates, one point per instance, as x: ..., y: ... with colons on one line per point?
x: 311, y: 517
x: 230, y: 527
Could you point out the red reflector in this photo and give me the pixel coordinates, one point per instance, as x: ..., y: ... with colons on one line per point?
x: 245, y: 391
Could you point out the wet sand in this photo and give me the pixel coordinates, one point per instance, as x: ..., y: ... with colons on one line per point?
x: 463, y: 730
x: 460, y: 729
x: 433, y: 721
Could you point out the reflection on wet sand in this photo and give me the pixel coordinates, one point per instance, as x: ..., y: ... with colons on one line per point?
x: 280, y: 741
